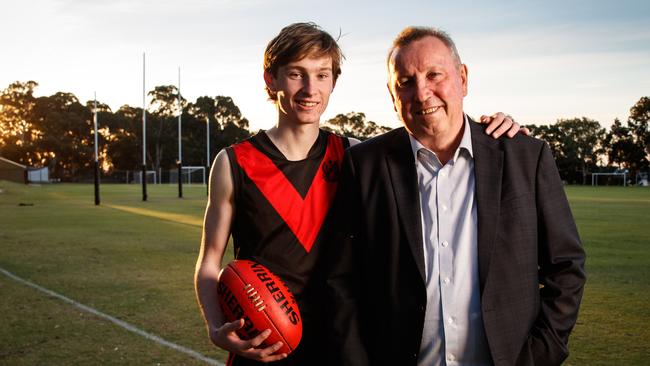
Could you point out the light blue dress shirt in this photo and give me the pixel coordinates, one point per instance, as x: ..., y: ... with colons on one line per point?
x: 453, y: 328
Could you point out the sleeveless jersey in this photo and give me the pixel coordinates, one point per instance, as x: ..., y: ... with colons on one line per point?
x: 280, y: 208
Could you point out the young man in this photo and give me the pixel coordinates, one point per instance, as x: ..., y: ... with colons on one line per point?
x: 273, y: 192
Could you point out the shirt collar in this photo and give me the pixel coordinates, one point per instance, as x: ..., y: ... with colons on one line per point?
x: 465, y: 143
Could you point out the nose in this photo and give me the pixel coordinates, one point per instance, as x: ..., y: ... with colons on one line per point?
x: 422, y: 91
x: 309, y: 85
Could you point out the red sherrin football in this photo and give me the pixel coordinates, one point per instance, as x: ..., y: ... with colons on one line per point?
x: 249, y: 290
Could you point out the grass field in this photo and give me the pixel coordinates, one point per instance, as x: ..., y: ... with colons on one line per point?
x: 134, y: 260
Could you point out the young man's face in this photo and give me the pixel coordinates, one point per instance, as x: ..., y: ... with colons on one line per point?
x: 303, y: 88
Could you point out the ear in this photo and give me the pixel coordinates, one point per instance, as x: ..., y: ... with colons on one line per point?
x: 463, y: 77
x: 392, y: 97
x: 269, y: 80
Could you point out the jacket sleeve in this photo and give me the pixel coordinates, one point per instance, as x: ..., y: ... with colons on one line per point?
x: 561, y: 261
x: 342, y: 276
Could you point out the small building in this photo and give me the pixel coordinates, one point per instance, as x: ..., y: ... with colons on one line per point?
x: 12, y: 171
x: 38, y: 175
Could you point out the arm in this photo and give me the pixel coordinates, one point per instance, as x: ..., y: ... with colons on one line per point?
x: 216, y: 231
x: 561, y: 269
x: 499, y: 123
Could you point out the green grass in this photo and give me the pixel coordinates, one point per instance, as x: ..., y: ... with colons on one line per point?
x: 135, y: 260
x: 135, y: 265
x: 613, y: 324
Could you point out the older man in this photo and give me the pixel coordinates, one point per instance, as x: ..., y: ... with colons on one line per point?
x: 463, y: 248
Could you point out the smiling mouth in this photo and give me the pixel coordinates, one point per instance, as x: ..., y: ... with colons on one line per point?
x: 427, y: 111
x: 307, y: 104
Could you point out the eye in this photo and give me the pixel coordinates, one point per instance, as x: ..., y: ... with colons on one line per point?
x: 323, y: 75
x: 433, y: 75
x: 403, y: 82
x: 295, y: 75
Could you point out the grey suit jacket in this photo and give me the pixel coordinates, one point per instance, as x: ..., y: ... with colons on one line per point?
x: 531, y: 262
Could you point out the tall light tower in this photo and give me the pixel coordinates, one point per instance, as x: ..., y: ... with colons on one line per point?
x: 180, y: 152
x: 96, y: 155
x: 207, y: 153
x: 144, y: 133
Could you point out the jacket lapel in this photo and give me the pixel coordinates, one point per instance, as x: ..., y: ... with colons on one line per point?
x: 401, y: 167
x: 488, y: 170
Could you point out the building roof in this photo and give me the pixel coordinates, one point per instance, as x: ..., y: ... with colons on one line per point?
x: 12, y: 163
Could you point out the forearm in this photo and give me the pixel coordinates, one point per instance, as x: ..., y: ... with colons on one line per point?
x: 206, y: 285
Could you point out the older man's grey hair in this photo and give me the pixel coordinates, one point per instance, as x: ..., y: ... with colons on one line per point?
x: 412, y: 34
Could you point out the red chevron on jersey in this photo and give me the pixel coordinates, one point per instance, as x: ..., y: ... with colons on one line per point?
x: 303, y: 216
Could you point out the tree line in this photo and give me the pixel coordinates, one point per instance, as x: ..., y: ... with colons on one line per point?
x: 56, y: 131
x: 581, y: 146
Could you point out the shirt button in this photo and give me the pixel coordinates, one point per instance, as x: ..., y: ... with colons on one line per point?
x: 446, y: 280
x: 451, y: 357
x: 444, y: 207
x: 442, y: 174
x: 444, y: 244
x: 450, y: 320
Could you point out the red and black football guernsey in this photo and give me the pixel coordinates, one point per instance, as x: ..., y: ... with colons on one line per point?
x: 280, y: 208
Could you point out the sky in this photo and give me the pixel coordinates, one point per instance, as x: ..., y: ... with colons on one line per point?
x: 535, y: 60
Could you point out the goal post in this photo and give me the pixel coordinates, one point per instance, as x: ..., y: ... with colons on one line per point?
x: 151, y: 177
x: 189, y: 175
x: 594, y: 177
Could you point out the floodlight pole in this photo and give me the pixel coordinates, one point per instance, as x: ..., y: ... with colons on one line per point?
x: 96, y: 156
x: 144, y: 134
x: 180, y: 152
x: 207, y: 153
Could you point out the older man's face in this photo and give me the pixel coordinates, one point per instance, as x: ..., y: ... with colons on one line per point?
x: 427, y: 86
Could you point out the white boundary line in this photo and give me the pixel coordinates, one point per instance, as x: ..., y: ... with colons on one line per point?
x: 116, y: 321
